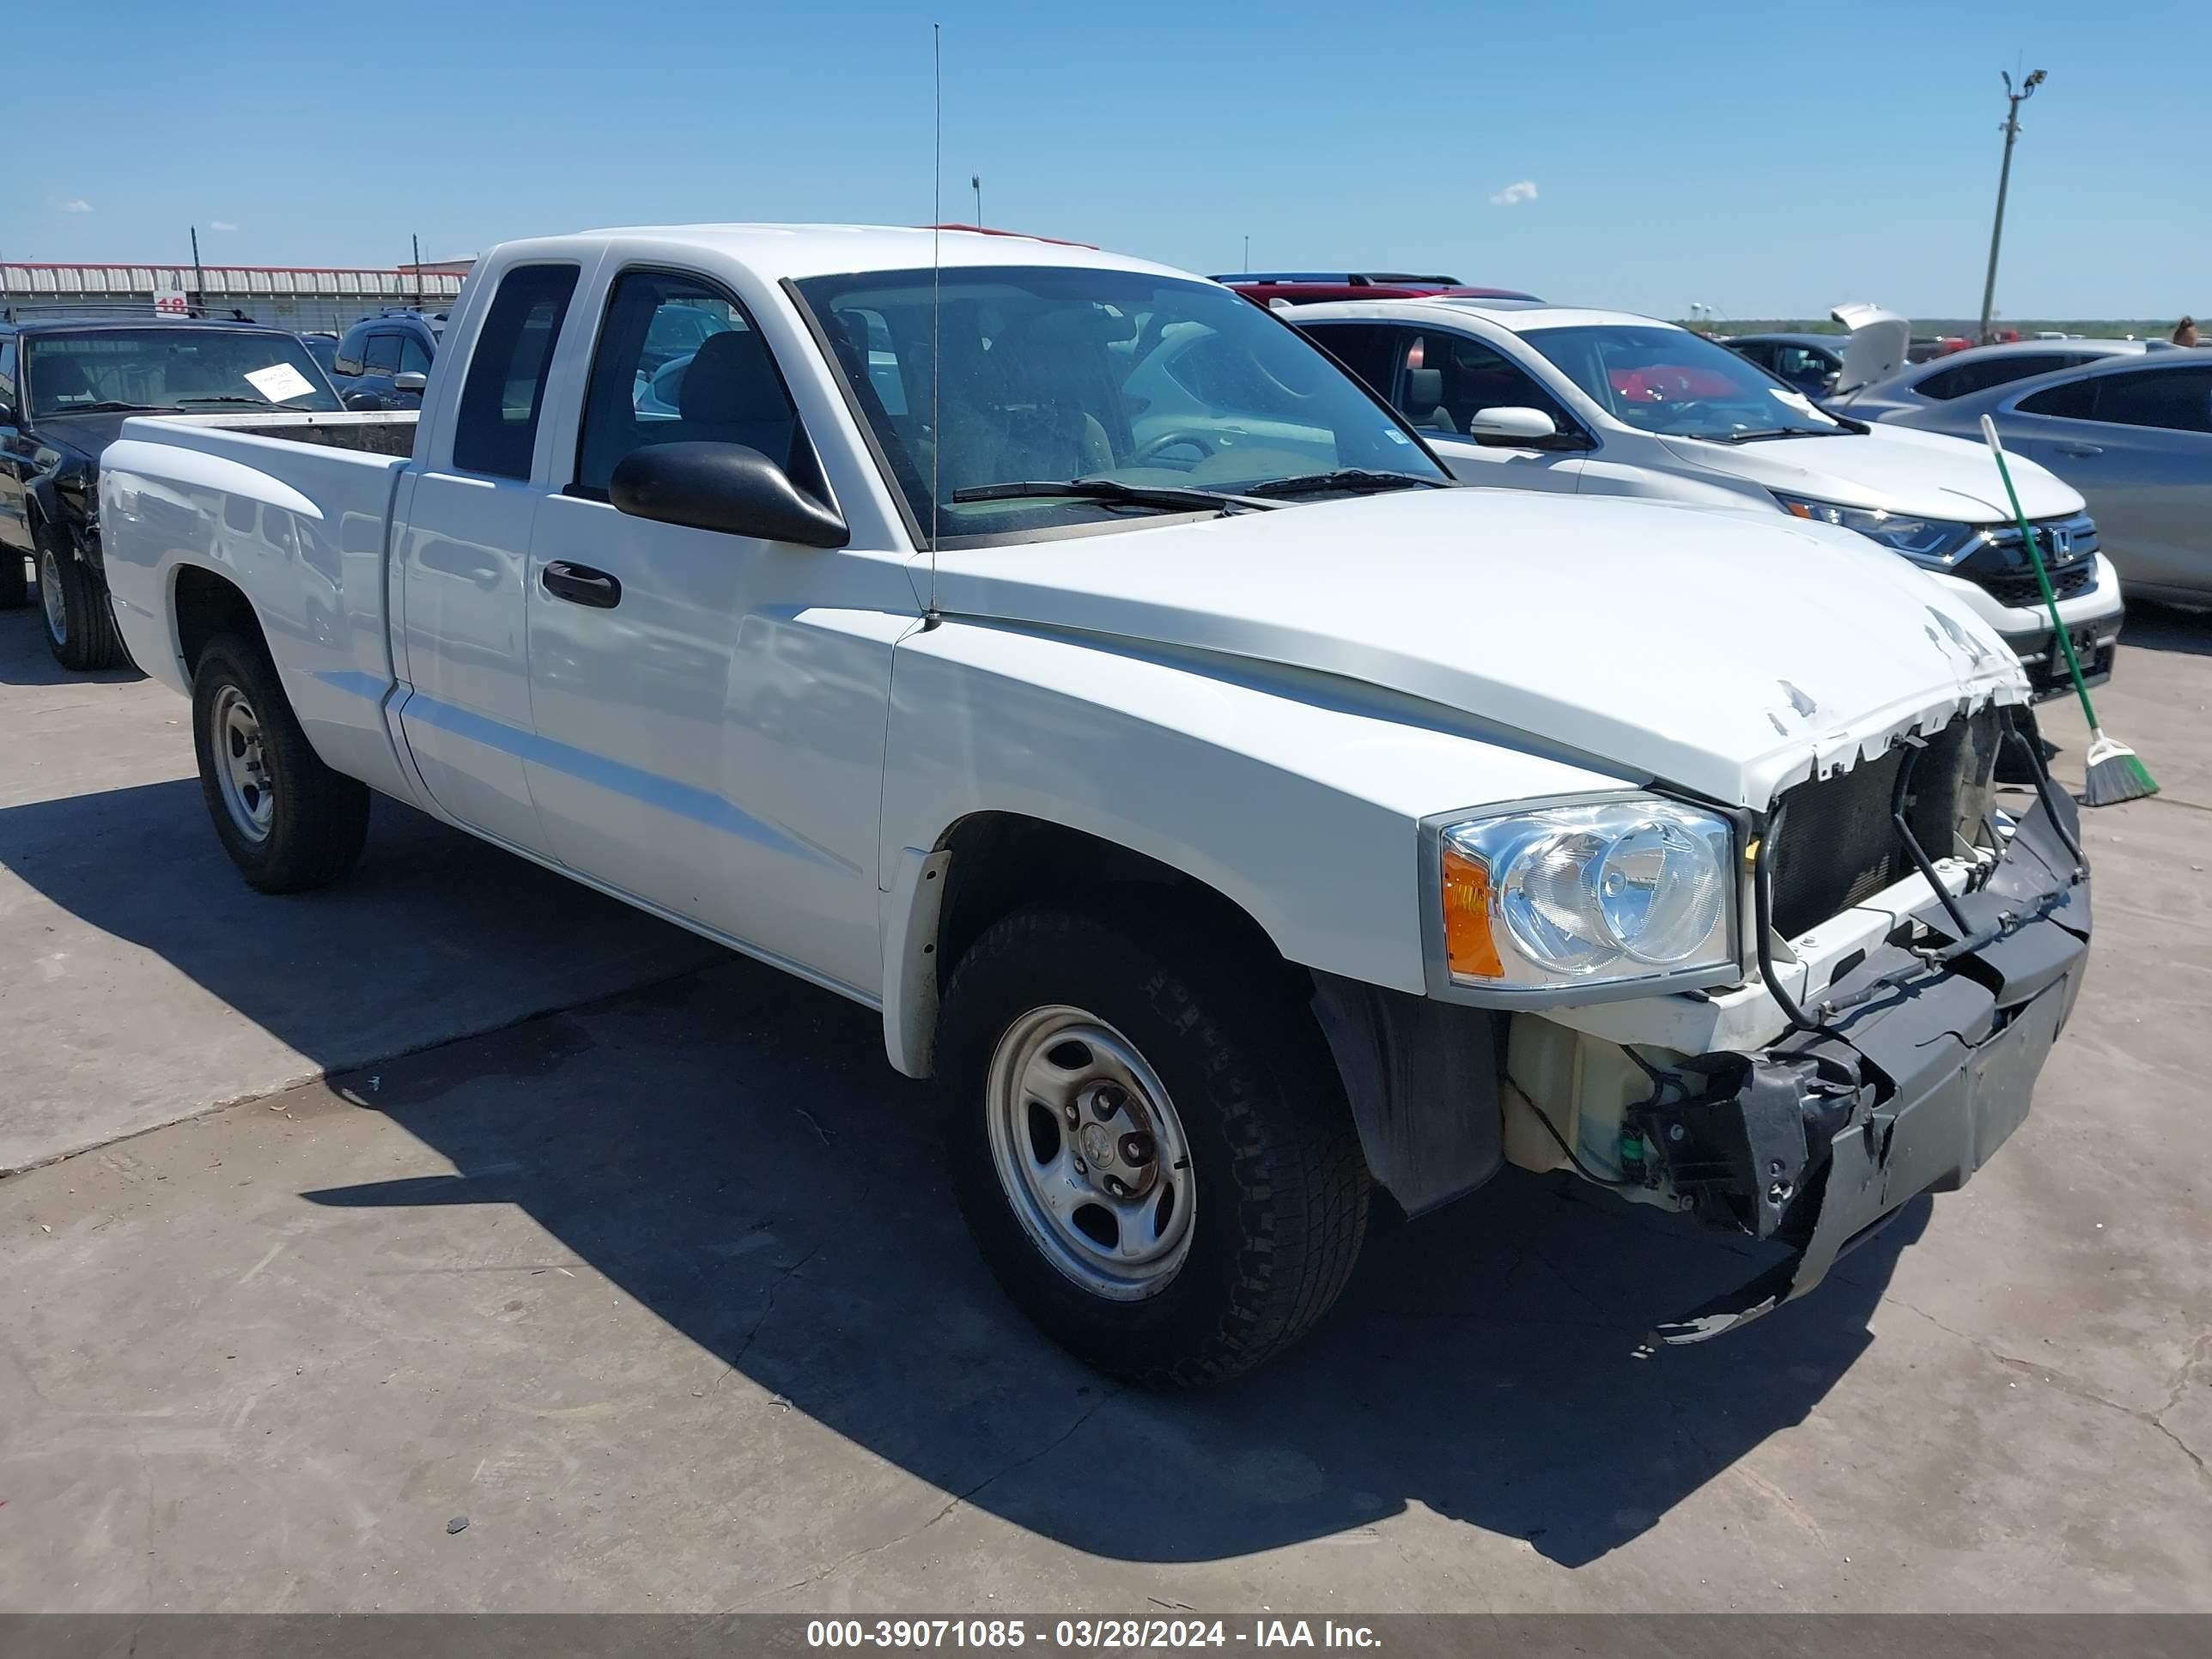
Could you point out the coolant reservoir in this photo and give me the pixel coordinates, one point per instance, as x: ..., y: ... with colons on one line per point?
x: 1584, y: 1085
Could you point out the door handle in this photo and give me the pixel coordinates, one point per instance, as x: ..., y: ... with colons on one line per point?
x: 2080, y: 452
x: 580, y: 583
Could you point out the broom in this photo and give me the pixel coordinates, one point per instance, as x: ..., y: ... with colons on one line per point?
x: 2112, y: 773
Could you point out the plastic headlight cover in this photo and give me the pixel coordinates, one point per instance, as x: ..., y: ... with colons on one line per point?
x: 1633, y: 889
x: 1937, y: 542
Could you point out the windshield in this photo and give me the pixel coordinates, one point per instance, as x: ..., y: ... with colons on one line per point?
x: 172, y: 367
x: 1677, y: 383
x: 1058, y: 374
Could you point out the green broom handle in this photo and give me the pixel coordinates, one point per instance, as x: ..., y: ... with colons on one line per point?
x: 2042, y: 576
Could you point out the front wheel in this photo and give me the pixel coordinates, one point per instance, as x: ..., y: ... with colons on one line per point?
x: 288, y: 822
x: 81, y: 628
x: 1147, y: 1139
x: 15, y: 584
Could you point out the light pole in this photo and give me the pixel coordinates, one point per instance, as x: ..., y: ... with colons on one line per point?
x: 2014, y: 99
x: 975, y: 183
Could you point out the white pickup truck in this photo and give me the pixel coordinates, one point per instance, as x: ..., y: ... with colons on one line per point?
x: 1059, y: 654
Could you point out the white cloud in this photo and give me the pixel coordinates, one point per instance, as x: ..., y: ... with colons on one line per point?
x: 220, y: 224
x: 79, y: 205
x: 1513, y: 194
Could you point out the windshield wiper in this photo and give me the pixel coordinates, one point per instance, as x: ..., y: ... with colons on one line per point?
x: 105, y: 406
x: 1353, y: 480
x: 249, y: 403
x: 1112, y: 491
x: 1779, y: 432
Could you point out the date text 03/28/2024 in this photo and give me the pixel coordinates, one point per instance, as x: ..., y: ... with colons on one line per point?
x: 1087, y: 1634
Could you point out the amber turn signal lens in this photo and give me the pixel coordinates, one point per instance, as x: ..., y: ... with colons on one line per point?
x: 1469, y: 948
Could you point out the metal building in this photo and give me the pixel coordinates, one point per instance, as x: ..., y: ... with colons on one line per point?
x: 289, y: 296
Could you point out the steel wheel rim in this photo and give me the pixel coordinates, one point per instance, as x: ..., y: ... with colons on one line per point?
x: 1089, y: 1153
x: 241, y: 763
x: 49, y: 596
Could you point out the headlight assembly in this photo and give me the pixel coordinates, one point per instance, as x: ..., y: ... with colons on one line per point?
x: 1633, y: 889
x: 1936, y: 542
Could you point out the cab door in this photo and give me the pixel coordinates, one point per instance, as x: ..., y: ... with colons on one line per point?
x: 461, y: 542
x: 709, y: 708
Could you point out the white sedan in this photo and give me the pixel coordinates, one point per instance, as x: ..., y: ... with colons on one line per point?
x: 1554, y: 397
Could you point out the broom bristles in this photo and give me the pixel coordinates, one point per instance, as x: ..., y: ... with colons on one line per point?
x: 2112, y: 773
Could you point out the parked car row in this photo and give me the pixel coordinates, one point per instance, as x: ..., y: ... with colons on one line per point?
x: 1074, y: 664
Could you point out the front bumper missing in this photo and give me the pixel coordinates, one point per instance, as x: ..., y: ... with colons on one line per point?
x: 1924, y: 1066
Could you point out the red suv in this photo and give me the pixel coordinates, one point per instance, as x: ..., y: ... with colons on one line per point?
x: 1306, y: 287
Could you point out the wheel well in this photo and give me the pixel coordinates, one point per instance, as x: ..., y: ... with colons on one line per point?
x: 1004, y: 860
x: 209, y: 605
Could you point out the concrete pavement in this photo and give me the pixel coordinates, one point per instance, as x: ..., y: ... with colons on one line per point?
x: 144, y: 982
x: 663, y: 1293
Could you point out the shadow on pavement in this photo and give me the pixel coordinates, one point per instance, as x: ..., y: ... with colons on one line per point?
x: 25, y: 659
x: 436, y: 935
x: 730, y: 1149
x: 2165, y: 628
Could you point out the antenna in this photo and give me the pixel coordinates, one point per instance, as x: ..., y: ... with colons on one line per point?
x: 936, y: 353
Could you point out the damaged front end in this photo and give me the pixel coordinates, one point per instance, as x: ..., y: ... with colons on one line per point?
x: 1903, y: 1073
x: 1909, y: 951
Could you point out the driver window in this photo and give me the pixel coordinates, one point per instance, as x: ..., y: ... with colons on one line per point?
x: 678, y: 361
x: 1800, y: 363
x: 1448, y: 379
x: 383, y: 355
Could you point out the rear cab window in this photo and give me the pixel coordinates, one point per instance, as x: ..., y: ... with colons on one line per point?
x: 496, y: 430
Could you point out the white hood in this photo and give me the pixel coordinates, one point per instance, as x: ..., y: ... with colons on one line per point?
x: 1875, y: 350
x: 1923, y: 474
x: 1729, y: 654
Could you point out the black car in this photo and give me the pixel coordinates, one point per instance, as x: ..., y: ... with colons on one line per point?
x: 385, y: 362
x: 66, y: 387
x: 1810, y: 362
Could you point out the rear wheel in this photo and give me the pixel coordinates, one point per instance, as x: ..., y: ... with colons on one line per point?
x: 1147, y: 1139
x: 288, y: 822
x: 80, y: 628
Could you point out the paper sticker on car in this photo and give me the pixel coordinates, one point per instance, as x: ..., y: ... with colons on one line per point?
x: 280, y: 383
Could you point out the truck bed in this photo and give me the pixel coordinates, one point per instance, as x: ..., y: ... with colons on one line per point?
x: 294, y: 511
x: 374, y: 431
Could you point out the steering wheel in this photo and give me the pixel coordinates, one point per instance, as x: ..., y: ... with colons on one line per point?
x: 1677, y: 413
x: 1208, y: 444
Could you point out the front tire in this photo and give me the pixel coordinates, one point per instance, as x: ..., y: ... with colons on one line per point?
x: 81, y: 628
x: 1147, y: 1137
x: 288, y: 822
x: 14, y: 582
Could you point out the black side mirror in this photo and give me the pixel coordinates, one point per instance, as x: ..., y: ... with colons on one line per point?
x: 724, y: 487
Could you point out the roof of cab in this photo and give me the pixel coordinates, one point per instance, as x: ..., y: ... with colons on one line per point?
x: 800, y: 251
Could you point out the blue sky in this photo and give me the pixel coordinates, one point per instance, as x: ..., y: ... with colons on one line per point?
x: 1764, y: 160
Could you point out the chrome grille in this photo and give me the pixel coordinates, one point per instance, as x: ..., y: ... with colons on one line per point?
x: 2067, y: 584
x: 2000, y: 565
